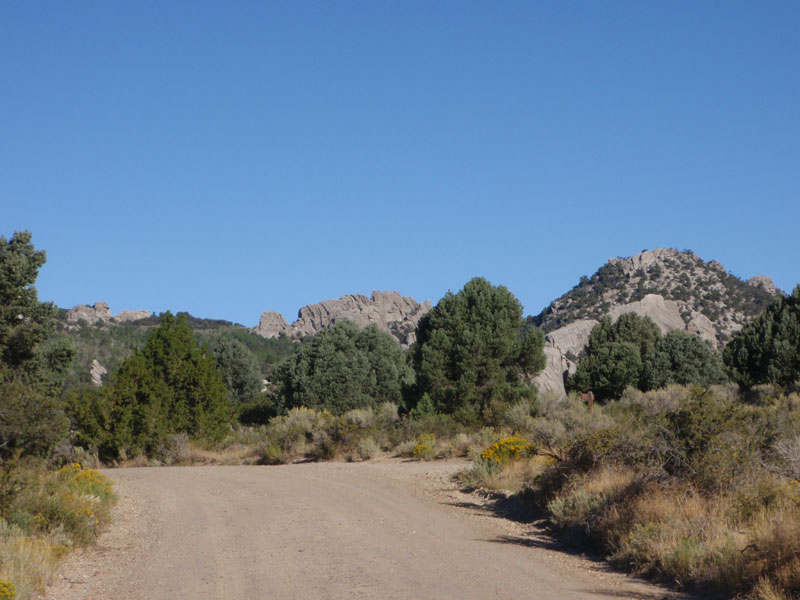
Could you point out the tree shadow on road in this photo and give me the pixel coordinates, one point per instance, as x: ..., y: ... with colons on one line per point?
x: 517, y: 507
x: 573, y: 541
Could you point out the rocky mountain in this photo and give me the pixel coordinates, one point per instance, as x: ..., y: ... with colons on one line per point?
x: 390, y: 311
x: 677, y: 290
x: 697, y: 287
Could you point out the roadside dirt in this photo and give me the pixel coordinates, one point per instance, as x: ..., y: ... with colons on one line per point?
x: 379, y: 529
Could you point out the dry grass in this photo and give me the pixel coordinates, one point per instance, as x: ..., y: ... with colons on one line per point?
x: 514, y: 476
x: 692, y: 487
x: 28, y: 562
x: 44, y: 515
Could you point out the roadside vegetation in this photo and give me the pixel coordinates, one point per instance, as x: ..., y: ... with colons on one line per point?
x: 687, y: 468
x: 44, y: 512
x: 697, y: 487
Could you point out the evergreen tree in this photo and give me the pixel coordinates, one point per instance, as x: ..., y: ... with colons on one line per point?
x: 684, y: 359
x: 473, y: 355
x: 607, y: 370
x: 31, y: 419
x: 632, y: 352
x: 170, y: 386
x: 767, y: 349
x: 342, y: 368
x: 239, y: 369
x: 615, y: 356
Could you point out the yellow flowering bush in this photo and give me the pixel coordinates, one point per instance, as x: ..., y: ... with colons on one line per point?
x: 794, y: 490
x: 7, y: 590
x: 426, y: 446
x: 87, y: 481
x: 506, y: 450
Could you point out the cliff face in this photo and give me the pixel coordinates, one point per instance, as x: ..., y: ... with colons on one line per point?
x: 390, y: 311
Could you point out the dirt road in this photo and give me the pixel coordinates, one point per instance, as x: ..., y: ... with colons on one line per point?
x: 385, y: 529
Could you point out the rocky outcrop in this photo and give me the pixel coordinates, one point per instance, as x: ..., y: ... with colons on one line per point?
x: 664, y: 313
x: 572, y: 338
x: 99, y: 311
x: 390, y: 311
x: 765, y: 283
x: 125, y: 316
x: 272, y: 325
x: 556, y: 368
x: 97, y: 372
x: 702, y: 326
x: 645, y: 259
x: 91, y: 314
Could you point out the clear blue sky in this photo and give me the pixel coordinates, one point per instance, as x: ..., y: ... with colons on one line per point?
x: 227, y: 158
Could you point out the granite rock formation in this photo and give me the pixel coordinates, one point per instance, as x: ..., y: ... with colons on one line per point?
x: 91, y: 314
x: 125, y: 316
x: 97, y: 372
x: 709, y: 300
x: 564, y: 344
x: 765, y: 283
x: 99, y: 311
x: 390, y: 311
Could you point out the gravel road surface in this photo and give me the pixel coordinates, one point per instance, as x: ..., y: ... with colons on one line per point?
x: 378, y: 529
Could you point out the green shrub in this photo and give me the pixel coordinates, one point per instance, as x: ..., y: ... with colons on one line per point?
x: 368, y: 449
x: 592, y: 447
x: 693, y: 427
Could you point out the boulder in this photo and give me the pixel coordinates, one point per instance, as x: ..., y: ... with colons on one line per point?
x: 125, y: 316
x: 272, y: 325
x: 555, y: 371
x: 97, y: 372
x: 572, y: 338
x: 91, y: 314
x: 702, y: 326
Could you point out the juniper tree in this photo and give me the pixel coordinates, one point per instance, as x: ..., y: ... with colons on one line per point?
x: 474, y: 355
x: 767, y: 349
x: 30, y: 416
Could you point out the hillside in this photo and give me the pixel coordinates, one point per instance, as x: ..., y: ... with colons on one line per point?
x: 677, y: 289
x: 697, y: 287
x: 97, y: 336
